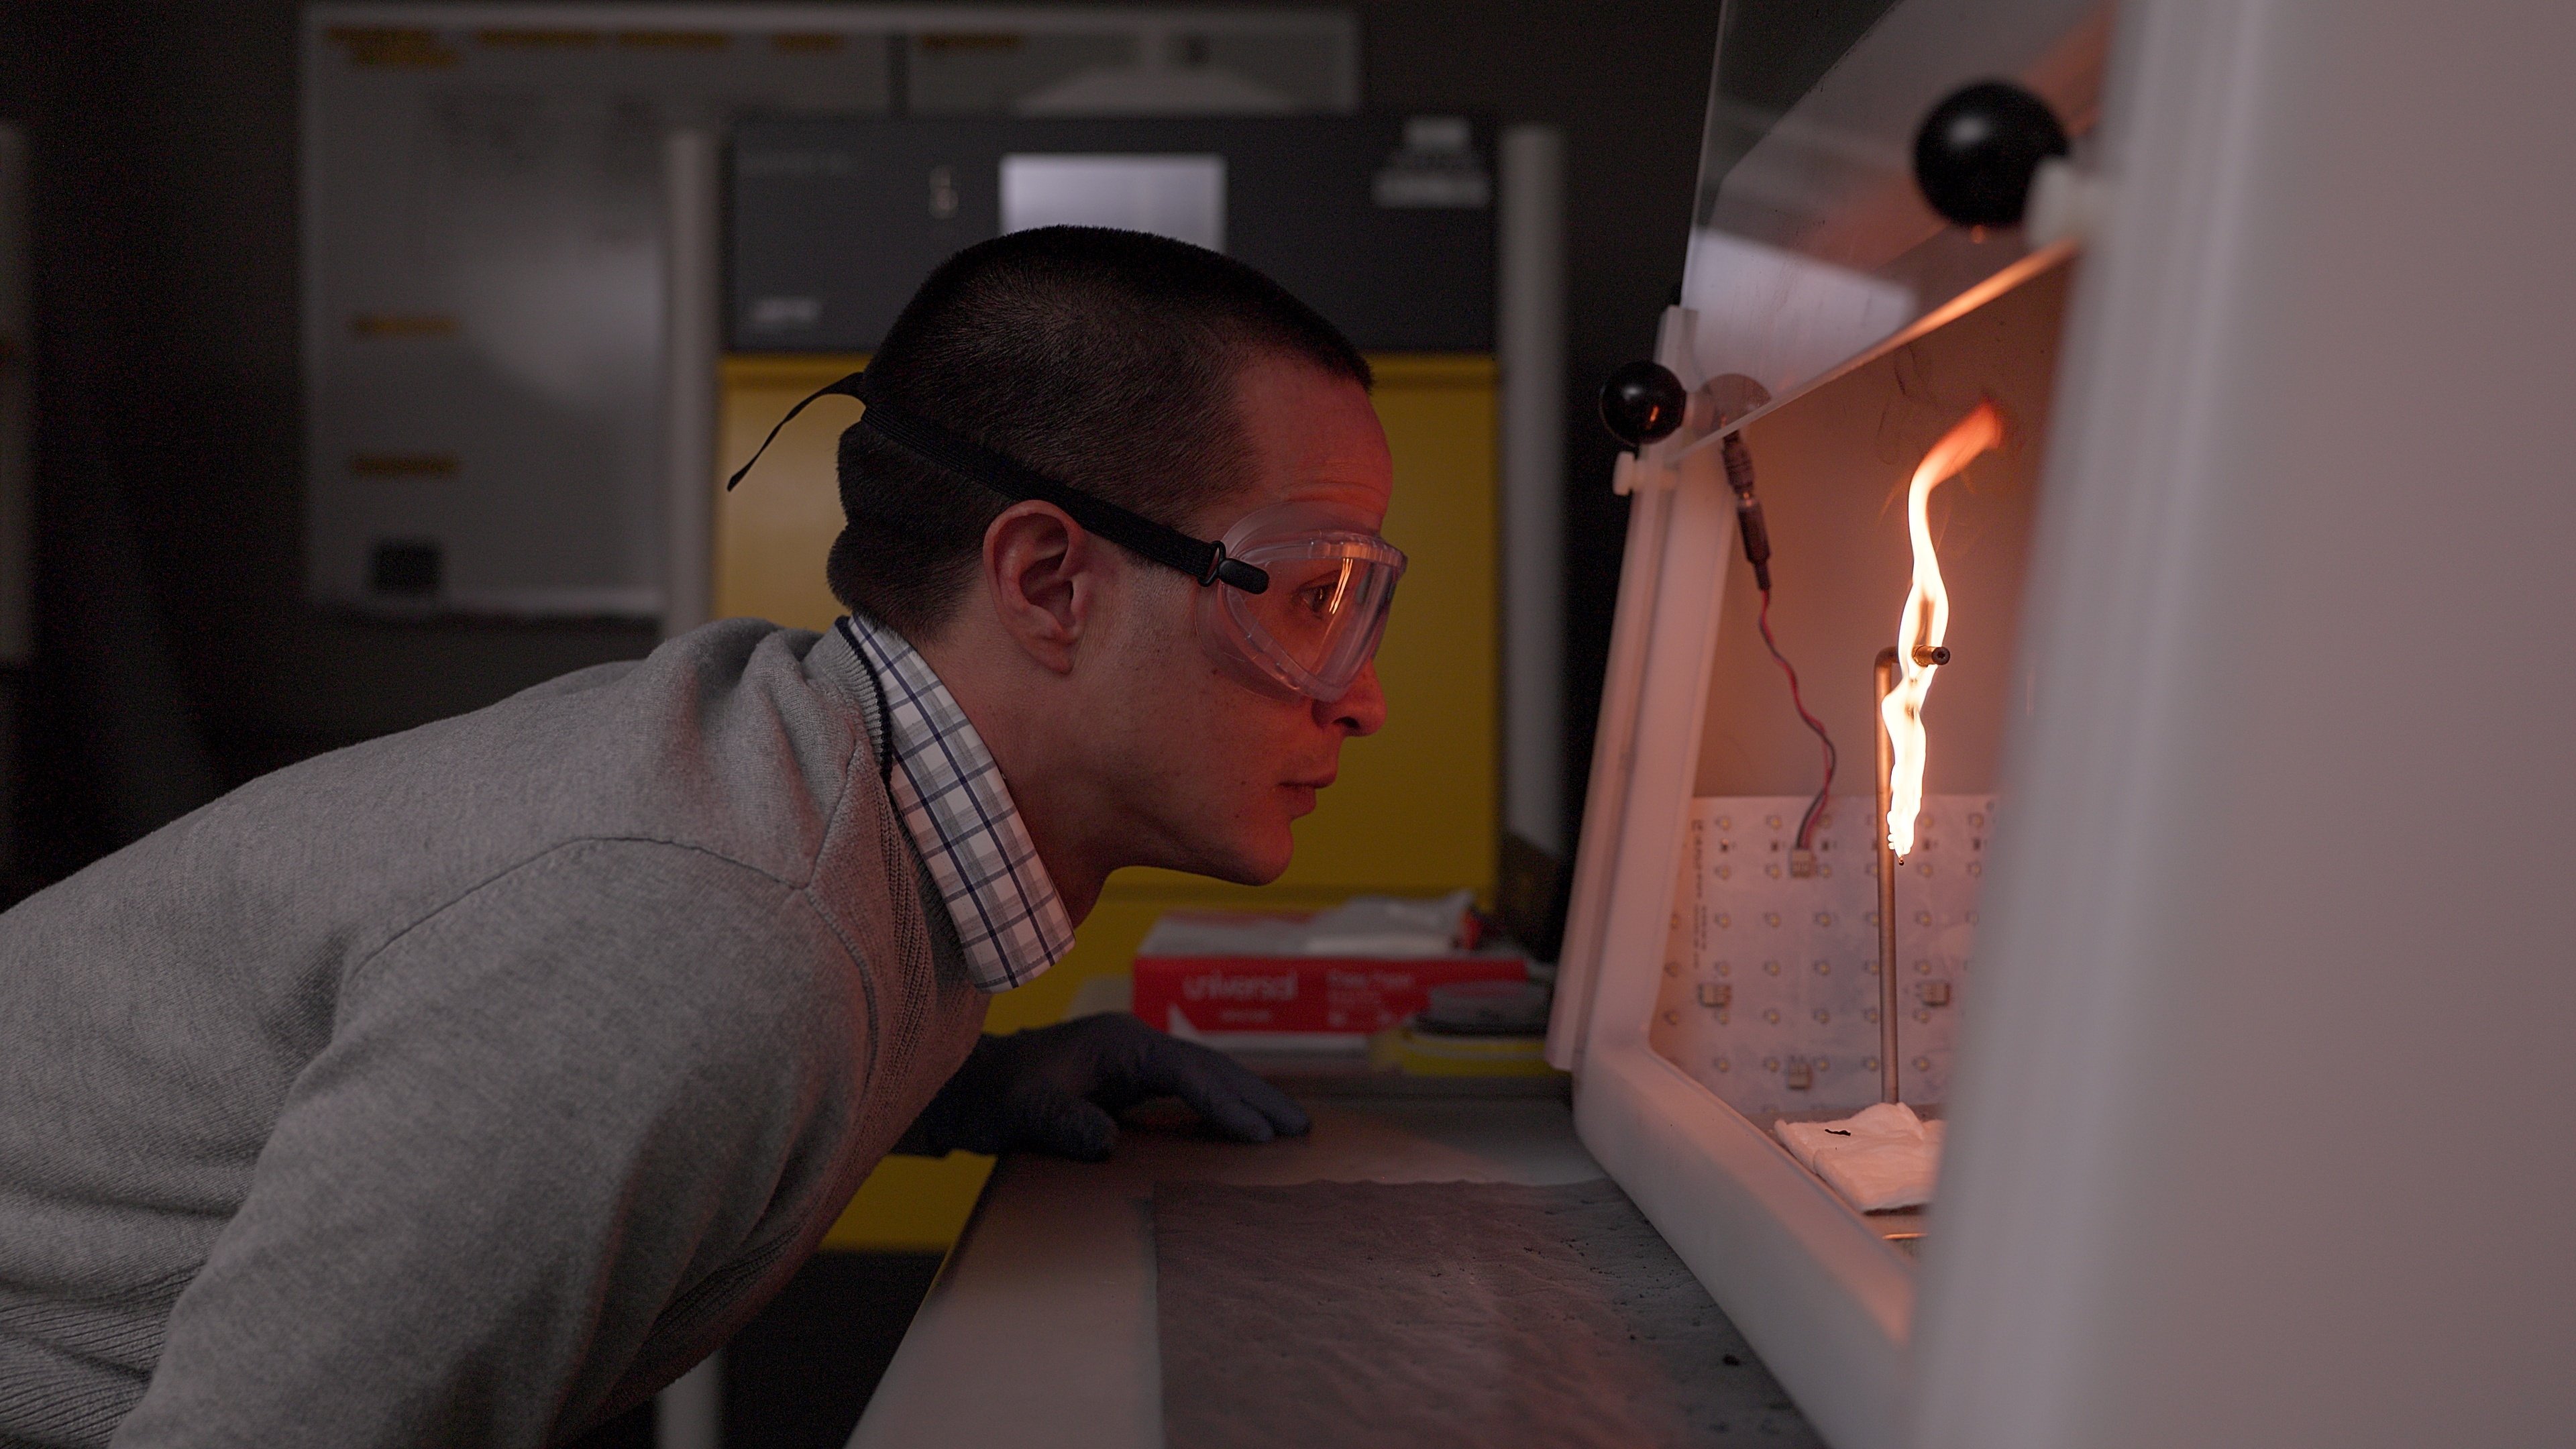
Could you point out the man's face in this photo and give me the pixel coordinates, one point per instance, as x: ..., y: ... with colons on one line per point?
x: 1211, y: 769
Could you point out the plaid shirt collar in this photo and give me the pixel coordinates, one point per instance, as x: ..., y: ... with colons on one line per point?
x: 960, y: 815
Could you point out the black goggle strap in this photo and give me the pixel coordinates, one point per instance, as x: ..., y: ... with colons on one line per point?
x: 846, y: 387
x: 1142, y: 536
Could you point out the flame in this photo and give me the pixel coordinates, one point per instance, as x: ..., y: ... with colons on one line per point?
x: 1926, y: 620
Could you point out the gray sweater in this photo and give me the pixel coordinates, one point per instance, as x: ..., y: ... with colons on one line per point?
x: 466, y: 1086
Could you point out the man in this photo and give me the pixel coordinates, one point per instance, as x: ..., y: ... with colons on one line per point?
x: 467, y: 1086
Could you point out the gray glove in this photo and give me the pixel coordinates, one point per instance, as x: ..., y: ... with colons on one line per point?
x: 1060, y: 1089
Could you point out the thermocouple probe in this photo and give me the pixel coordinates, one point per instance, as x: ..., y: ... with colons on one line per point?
x: 1748, y: 509
x: 1643, y: 403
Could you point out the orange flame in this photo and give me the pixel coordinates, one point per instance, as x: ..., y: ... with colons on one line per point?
x: 1925, y: 622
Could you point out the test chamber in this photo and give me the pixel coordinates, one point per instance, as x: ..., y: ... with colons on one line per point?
x: 1384, y: 224
x: 2248, y: 1061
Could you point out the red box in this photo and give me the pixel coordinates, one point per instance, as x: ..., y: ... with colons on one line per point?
x: 1313, y: 997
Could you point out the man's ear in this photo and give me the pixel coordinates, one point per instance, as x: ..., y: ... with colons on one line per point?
x: 1043, y: 573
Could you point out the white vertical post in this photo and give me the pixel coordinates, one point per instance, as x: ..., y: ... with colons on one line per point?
x: 17, y: 486
x: 17, y: 358
x: 1530, y: 318
x: 1648, y: 478
x: 692, y: 332
x: 690, y: 1413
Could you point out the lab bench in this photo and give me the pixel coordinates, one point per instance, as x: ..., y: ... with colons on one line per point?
x: 1041, y: 1329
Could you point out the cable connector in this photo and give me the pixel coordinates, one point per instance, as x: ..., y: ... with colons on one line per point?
x: 1748, y: 509
x: 1802, y: 863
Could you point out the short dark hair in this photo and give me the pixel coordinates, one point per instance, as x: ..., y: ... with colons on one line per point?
x: 1105, y: 359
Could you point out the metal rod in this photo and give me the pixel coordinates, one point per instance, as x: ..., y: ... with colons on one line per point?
x: 17, y: 355
x: 1530, y: 328
x: 1885, y: 678
x: 692, y: 327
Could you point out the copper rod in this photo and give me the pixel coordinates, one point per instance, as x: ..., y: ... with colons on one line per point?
x: 1885, y: 675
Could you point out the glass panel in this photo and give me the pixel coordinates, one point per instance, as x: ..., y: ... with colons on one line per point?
x: 1811, y: 247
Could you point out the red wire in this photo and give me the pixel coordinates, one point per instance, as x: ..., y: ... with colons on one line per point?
x: 1806, y: 825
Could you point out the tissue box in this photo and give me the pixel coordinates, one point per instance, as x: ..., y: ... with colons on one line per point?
x: 1251, y: 982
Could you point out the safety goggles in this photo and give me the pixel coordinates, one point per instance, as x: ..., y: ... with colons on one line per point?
x: 1317, y: 625
x: 1304, y: 590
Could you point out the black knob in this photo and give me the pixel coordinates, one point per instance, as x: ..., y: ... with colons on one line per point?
x: 1978, y: 150
x: 1642, y: 402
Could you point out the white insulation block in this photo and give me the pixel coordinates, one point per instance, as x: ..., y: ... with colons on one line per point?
x: 1770, y: 991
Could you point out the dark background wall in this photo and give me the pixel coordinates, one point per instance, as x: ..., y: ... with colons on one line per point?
x: 176, y: 654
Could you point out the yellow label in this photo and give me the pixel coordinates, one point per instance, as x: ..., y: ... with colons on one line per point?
x: 402, y: 465
x: 391, y: 46
x: 425, y: 324
x: 674, y: 39
x: 522, y: 39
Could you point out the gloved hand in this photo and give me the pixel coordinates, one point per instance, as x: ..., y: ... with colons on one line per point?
x: 1060, y: 1089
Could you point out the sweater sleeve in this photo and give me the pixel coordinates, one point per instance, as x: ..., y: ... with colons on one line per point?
x: 562, y: 1131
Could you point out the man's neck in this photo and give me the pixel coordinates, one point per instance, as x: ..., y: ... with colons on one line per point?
x: 1017, y: 718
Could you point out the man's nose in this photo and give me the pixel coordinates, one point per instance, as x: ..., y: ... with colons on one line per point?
x: 1362, y: 710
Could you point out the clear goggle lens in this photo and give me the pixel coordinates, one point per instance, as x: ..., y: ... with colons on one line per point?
x: 1318, y: 624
